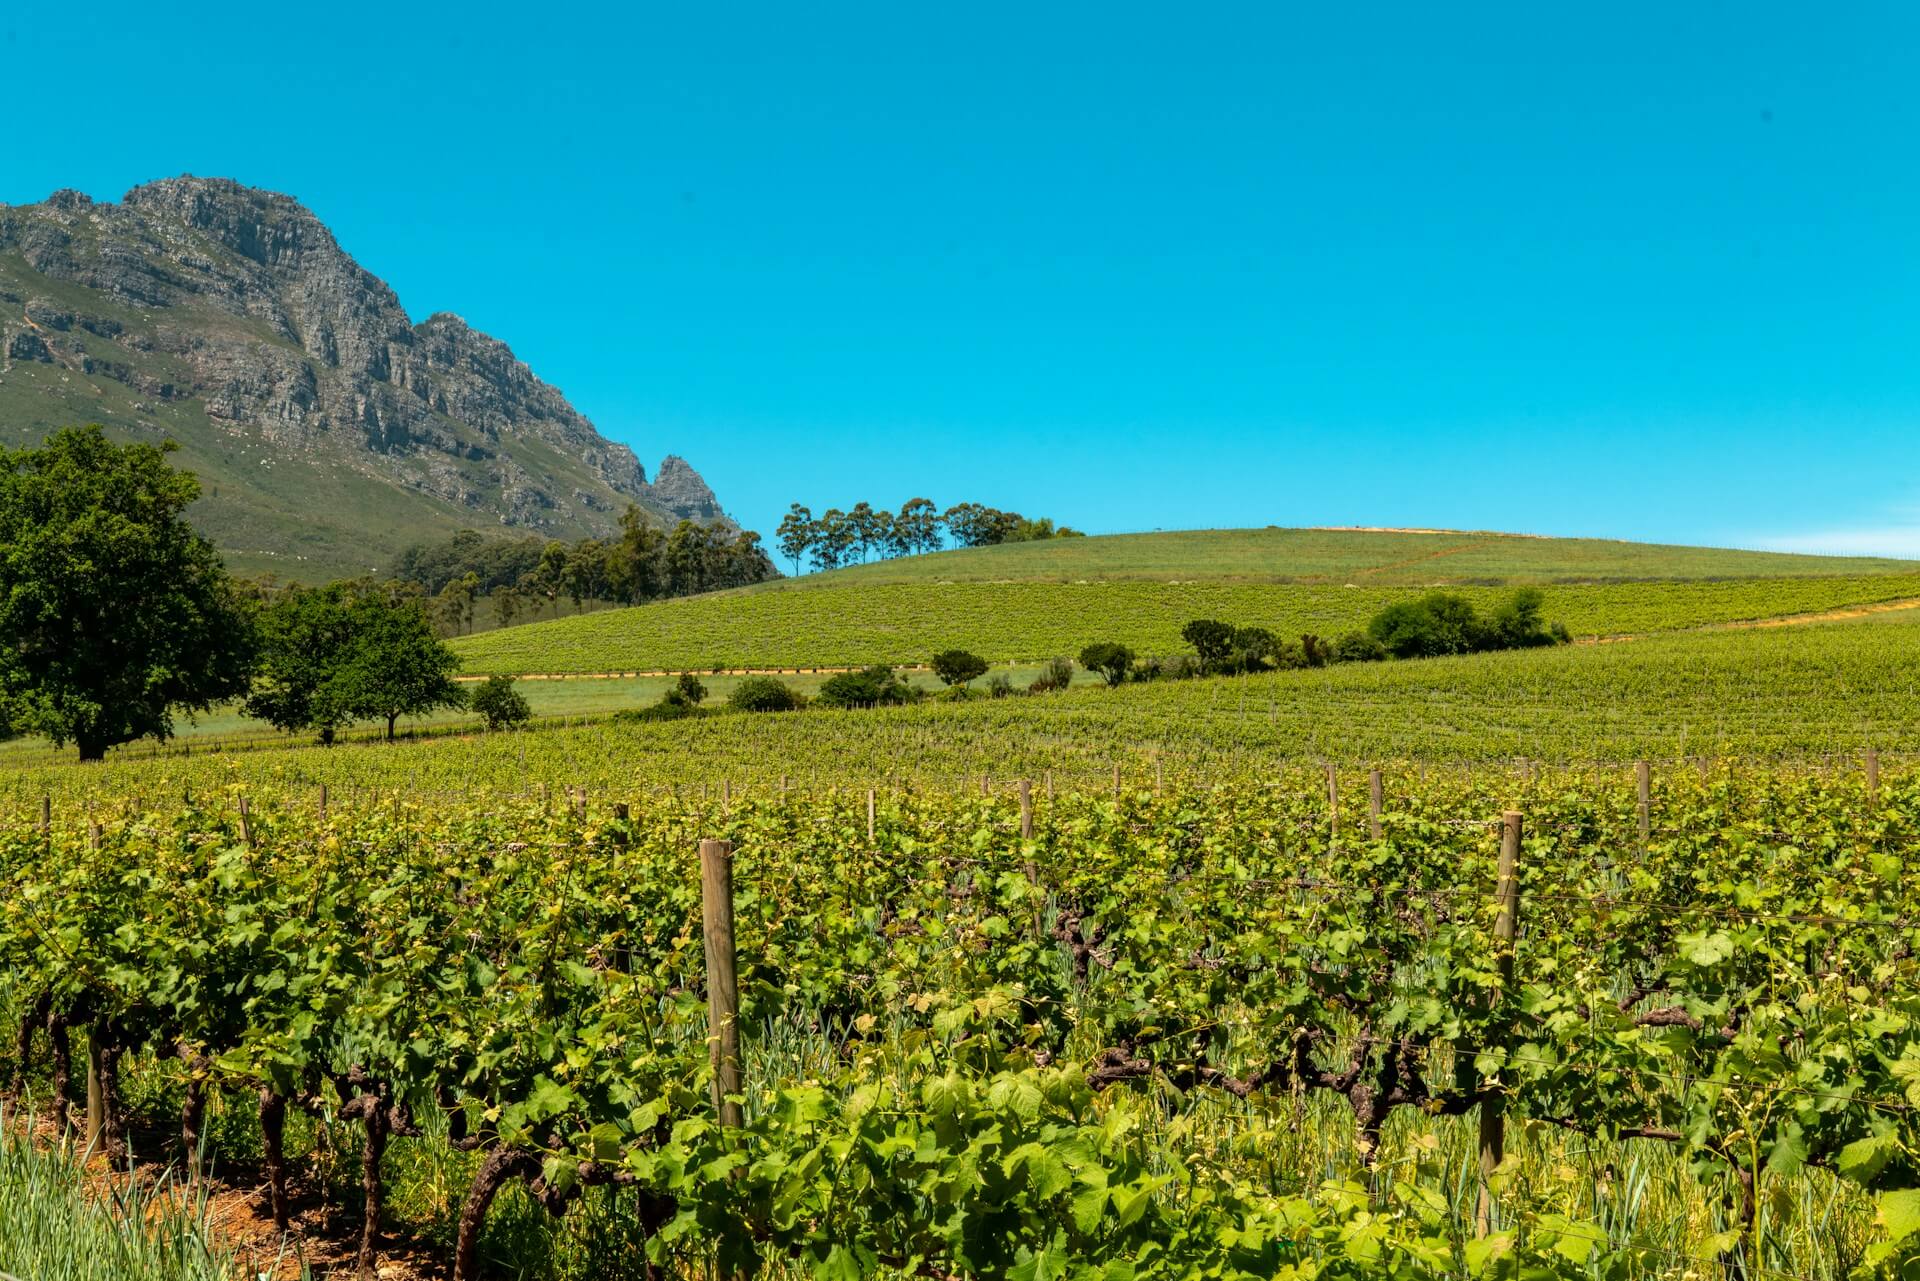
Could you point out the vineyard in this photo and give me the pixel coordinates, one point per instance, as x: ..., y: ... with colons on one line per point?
x: 1277, y: 1022
x: 1792, y: 691
x: 848, y: 621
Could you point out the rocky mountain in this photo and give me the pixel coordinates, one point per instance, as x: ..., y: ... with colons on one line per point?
x: 328, y: 429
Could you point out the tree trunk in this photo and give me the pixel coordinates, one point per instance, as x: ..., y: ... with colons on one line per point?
x: 35, y: 1016
x: 93, y: 747
x: 60, y: 1051
x: 390, y: 720
x: 501, y: 1166
x: 193, y: 1109
x: 273, y: 1147
x: 376, y: 1120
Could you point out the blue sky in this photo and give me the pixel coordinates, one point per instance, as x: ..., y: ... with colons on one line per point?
x: 1642, y: 270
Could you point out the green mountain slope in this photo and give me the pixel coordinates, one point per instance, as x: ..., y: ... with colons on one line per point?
x: 327, y: 428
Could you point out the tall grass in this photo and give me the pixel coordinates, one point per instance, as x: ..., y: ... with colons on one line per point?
x: 56, y: 1225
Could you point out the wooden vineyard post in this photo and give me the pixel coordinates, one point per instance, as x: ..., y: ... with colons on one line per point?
x: 323, y: 802
x: 1026, y: 810
x: 869, y: 816
x: 1873, y: 778
x: 1376, y: 796
x: 1156, y: 773
x: 246, y: 822
x: 96, y: 1088
x: 1049, y: 784
x: 986, y: 786
x: 723, y: 989
x: 546, y: 799
x: 1116, y: 780
x: 620, y: 811
x: 46, y: 820
x: 1643, y: 785
x: 783, y: 787
x: 1333, y: 807
x: 1493, y: 1108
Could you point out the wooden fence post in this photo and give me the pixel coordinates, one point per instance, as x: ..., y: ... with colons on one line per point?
x: 986, y: 786
x: 1376, y: 796
x: 1493, y: 1109
x: 723, y: 989
x: 1116, y: 780
x: 1643, y: 785
x: 246, y: 822
x: 1026, y: 810
x: 323, y: 802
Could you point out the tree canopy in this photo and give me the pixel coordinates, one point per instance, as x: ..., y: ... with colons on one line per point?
x: 341, y: 653
x: 114, y: 613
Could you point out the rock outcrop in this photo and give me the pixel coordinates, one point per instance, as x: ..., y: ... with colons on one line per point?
x: 231, y: 319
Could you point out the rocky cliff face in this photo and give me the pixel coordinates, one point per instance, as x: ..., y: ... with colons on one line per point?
x: 231, y: 319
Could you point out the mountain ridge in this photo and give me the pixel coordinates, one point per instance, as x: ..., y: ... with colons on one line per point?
x: 328, y: 428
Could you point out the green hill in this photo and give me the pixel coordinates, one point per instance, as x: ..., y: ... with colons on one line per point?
x: 1030, y: 601
x: 1380, y: 556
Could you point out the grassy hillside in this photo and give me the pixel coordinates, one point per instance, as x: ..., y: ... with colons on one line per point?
x: 1833, y: 687
x: 1342, y: 556
x: 854, y: 621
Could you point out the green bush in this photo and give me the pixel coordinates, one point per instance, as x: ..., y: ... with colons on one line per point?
x: 999, y: 685
x: 500, y: 704
x: 1357, y: 647
x: 667, y: 709
x: 762, y: 694
x: 1110, y: 659
x: 688, y: 690
x: 877, y: 686
x: 1056, y: 675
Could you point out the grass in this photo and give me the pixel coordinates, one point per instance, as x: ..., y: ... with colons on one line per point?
x: 59, y: 1224
x: 851, y: 621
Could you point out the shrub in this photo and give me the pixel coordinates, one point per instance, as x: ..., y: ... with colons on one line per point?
x: 1517, y: 624
x: 1056, y: 675
x: 1358, y: 647
x: 668, y: 708
x: 1110, y: 659
x: 500, y: 704
x: 1000, y: 685
x: 1438, y: 623
x: 957, y: 666
x: 1314, y: 651
x: 762, y: 694
x: 688, y: 690
x: 875, y: 687
x: 1212, y: 639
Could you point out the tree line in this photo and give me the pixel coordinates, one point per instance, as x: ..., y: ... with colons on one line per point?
x: 836, y: 538
x: 524, y: 577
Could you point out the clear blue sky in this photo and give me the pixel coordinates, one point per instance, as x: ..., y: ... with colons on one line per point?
x: 1647, y: 270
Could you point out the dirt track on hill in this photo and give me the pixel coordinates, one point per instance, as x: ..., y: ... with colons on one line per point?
x: 1784, y: 620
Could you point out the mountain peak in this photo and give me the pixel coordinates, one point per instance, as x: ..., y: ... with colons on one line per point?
x: 230, y: 318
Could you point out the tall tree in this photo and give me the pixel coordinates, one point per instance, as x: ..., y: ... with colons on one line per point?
x: 917, y: 527
x: 797, y: 531
x: 866, y: 529
x: 834, y: 542
x: 397, y: 666
x: 342, y: 653
x: 114, y: 613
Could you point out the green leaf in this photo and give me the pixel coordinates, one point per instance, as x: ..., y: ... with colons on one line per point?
x: 1862, y: 1160
x: 1899, y: 1213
